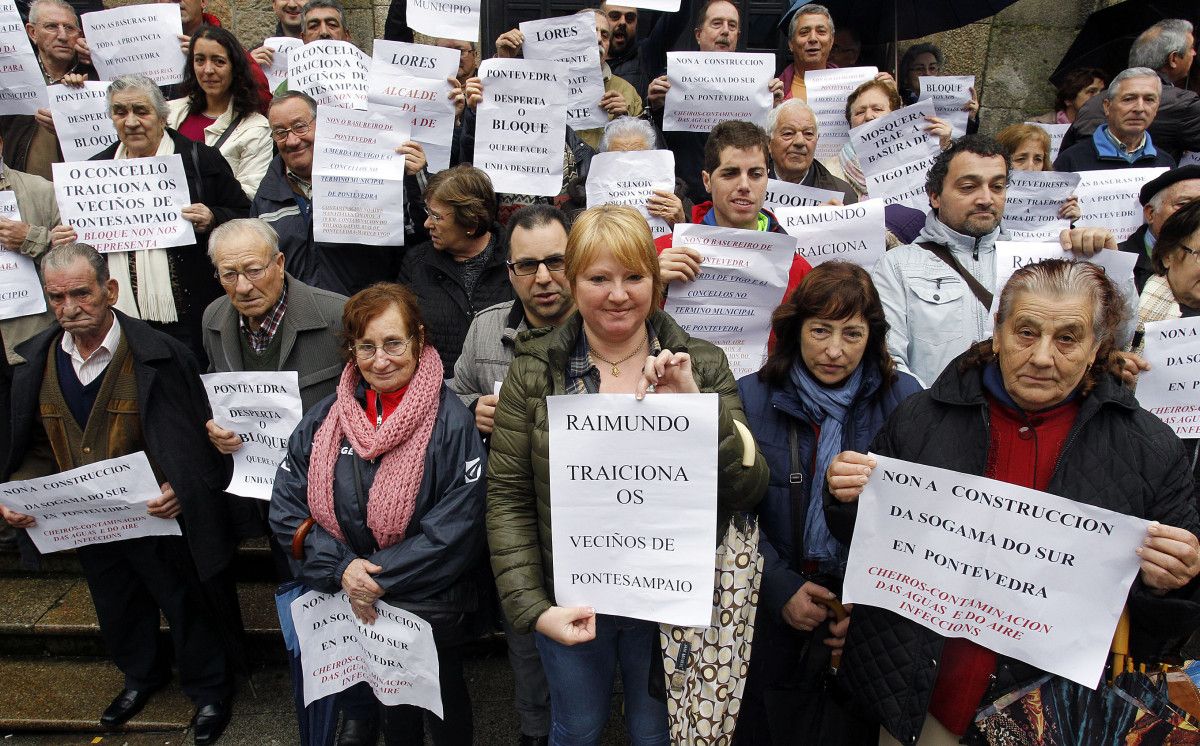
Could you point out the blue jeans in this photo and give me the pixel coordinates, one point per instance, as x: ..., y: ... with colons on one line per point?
x: 581, y: 677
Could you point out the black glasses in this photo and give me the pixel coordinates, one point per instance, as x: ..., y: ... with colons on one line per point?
x: 554, y: 263
x: 615, y: 16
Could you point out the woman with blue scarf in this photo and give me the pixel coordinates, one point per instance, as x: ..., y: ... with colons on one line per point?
x: 827, y: 387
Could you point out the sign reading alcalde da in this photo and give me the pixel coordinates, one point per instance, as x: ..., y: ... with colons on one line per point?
x: 633, y: 489
x: 1034, y: 576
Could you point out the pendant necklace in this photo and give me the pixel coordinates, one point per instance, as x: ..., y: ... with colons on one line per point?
x: 615, y: 370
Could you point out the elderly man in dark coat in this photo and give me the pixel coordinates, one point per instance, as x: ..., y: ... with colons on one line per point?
x: 99, y: 385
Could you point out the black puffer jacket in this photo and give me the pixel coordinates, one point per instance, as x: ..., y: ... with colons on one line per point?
x: 1117, y: 456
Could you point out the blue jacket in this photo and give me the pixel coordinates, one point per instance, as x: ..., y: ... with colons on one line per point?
x: 769, y: 412
x: 430, y: 571
x: 1099, y: 153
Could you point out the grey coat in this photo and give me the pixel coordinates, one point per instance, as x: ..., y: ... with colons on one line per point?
x: 488, y: 350
x: 311, y: 343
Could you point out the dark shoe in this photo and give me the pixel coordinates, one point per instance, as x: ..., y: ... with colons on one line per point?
x: 364, y: 732
x: 209, y: 722
x: 127, y: 704
x: 534, y: 740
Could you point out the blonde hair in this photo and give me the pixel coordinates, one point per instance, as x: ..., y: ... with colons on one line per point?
x: 1014, y: 136
x: 624, y: 233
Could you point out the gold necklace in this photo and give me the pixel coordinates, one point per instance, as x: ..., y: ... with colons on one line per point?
x: 615, y: 370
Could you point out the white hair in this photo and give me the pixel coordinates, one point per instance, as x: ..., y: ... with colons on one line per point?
x: 139, y: 83
x: 238, y: 230
x: 1132, y: 72
x: 628, y: 127
x: 37, y: 6
x: 1153, y: 48
x: 791, y: 103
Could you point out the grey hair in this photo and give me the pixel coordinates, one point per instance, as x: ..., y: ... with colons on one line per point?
x: 62, y: 257
x: 139, y: 83
x: 791, y: 103
x: 812, y: 9
x: 314, y: 4
x: 1061, y: 278
x: 1126, y: 74
x: 627, y: 126
x: 1154, y: 46
x: 36, y: 7
x: 242, y: 228
x: 308, y: 100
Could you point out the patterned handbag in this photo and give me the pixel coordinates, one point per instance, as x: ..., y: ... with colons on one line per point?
x: 706, y: 667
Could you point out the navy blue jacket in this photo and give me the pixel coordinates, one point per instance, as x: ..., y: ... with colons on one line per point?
x: 770, y: 412
x: 429, y: 571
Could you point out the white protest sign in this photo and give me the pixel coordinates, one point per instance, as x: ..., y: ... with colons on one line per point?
x: 277, y: 71
x: 949, y: 94
x: 571, y: 40
x: 263, y: 408
x: 358, y: 177
x: 333, y: 72
x: 1170, y: 390
x: 630, y: 178
x: 633, y: 488
x: 786, y: 194
x: 743, y: 275
x: 903, y: 185
x: 448, y: 19
x: 22, y: 86
x: 81, y: 119
x: 827, y: 93
x: 414, y: 79
x: 1057, y: 132
x: 94, y: 504
x: 20, y: 286
x: 127, y: 204
x: 520, y: 125
x: 396, y: 655
x: 895, y: 139
x: 1109, y: 199
x: 853, y: 233
x: 1032, y: 202
x: 708, y: 88
x: 140, y: 39
x: 1033, y: 576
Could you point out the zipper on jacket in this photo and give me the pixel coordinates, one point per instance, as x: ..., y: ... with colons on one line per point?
x: 378, y: 411
x: 975, y: 253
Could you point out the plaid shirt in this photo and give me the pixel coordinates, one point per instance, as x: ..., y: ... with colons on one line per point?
x: 1157, y: 304
x: 583, y: 377
x: 261, y: 339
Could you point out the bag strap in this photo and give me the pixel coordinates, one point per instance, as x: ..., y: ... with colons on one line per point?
x: 941, y: 252
x: 797, y: 493
x: 228, y: 131
x: 195, y: 151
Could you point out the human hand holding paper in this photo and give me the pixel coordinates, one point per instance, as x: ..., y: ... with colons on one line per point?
x: 485, y: 413
x: 17, y: 520
x: 848, y: 474
x: 678, y: 263
x: 669, y: 373
x: 1087, y: 241
x: 13, y: 233
x: 225, y: 441
x: 1170, y: 557
x: 165, y: 505
x: 509, y: 43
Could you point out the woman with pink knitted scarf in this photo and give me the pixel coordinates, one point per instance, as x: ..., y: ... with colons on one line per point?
x: 390, y: 469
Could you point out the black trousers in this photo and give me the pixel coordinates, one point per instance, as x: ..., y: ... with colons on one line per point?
x: 130, y: 582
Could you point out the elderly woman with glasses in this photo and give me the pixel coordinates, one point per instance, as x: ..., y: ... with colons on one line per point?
x: 382, y: 482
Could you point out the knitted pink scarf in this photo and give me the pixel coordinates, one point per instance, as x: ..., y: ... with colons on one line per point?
x: 401, y: 441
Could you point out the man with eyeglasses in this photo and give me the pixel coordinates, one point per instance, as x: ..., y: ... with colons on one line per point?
x: 284, y: 200
x: 268, y: 321
x: 638, y: 61
x: 537, y: 243
x: 30, y: 144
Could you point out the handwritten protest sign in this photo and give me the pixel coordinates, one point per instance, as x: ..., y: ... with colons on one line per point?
x: 94, y: 504
x: 708, y: 88
x: 358, y: 177
x: 742, y: 278
x: 1033, y: 576
x: 414, y: 79
x: 1171, y: 388
x: 520, y: 125
x: 81, y: 119
x: 630, y: 178
x: 448, y: 19
x: 853, y: 233
x: 827, y: 93
x: 633, y: 488
x: 395, y: 655
x: 1032, y: 202
x: 949, y: 94
x: 1109, y: 199
x: 277, y: 71
x: 903, y: 185
x: 786, y: 194
x: 333, y: 72
x: 22, y: 87
x: 138, y: 39
x: 126, y: 204
x: 263, y: 408
x: 571, y: 40
x: 1057, y: 132
x: 20, y: 287
x: 895, y: 139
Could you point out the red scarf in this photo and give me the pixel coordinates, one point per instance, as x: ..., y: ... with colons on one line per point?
x: 401, y: 441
